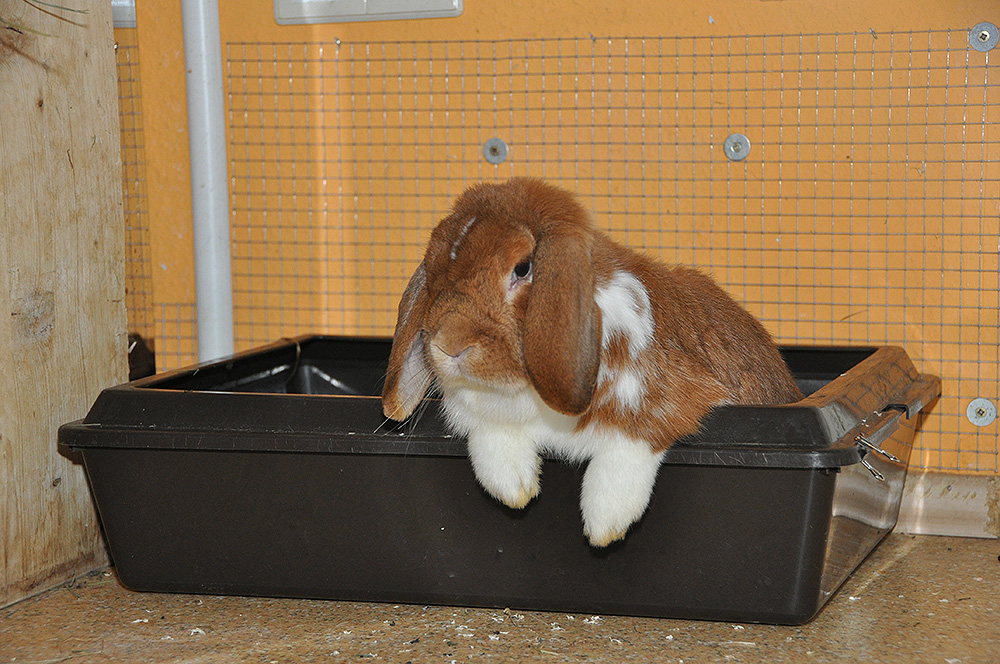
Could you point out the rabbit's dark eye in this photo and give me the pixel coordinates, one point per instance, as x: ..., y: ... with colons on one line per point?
x: 522, y: 269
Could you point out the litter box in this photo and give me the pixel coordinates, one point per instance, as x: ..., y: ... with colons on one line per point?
x: 274, y: 473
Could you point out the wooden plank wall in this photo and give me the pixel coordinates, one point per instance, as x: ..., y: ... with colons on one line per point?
x: 62, y: 329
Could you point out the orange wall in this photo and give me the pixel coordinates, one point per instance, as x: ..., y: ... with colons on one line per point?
x: 161, y: 54
x: 327, y: 227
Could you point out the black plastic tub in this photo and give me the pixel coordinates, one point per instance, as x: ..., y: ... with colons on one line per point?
x: 274, y: 473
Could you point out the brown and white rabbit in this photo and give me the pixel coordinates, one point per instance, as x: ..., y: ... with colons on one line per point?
x: 545, y: 336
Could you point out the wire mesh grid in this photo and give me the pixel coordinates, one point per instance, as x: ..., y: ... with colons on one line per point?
x: 177, y: 335
x: 864, y: 213
x: 138, y: 264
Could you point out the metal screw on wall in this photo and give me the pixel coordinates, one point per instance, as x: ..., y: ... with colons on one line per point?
x: 495, y: 151
x: 736, y: 147
x: 984, y: 37
x: 981, y: 412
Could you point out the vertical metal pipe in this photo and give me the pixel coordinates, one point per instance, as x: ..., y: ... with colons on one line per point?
x: 209, y: 178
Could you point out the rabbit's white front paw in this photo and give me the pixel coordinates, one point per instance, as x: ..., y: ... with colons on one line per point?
x: 616, y: 489
x: 507, y: 466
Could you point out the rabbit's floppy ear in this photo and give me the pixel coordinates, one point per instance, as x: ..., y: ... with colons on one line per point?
x: 562, y: 324
x: 409, y: 374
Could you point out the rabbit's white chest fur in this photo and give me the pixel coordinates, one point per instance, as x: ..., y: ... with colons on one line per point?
x: 508, y: 430
x: 625, y: 311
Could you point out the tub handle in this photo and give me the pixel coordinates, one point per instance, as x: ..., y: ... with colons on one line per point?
x: 913, y: 399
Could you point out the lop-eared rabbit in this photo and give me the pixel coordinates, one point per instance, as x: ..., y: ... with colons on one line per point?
x: 544, y: 336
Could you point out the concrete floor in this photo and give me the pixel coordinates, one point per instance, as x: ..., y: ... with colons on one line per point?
x: 915, y: 600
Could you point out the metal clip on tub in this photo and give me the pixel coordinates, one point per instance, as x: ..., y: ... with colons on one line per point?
x: 871, y: 469
x: 864, y: 442
x: 868, y: 445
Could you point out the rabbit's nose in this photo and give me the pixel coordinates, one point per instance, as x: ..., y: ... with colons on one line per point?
x: 452, y: 357
x: 455, y: 338
x: 454, y: 347
x: 458, y: 354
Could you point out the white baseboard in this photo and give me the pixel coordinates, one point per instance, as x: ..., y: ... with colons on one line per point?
x: 937, y: 503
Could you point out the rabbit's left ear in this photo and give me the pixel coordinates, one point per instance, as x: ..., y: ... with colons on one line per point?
x: 562, y: 324
x: 408, y: 374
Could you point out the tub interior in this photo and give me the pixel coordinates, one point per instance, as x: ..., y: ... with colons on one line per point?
x: 346, y: 367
